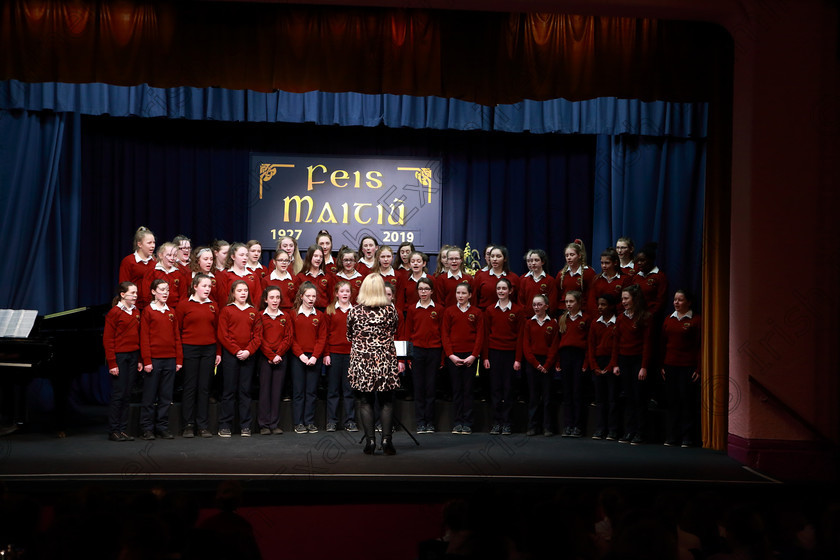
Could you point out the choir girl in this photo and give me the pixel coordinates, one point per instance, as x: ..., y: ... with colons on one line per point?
x: 606, y: 382
x: 651, y: 279
x: 182, y: 242
x: 626, y: 254
x: 462, y: 334
x: 121, y: 339
x: 423, y: 328
x: 536, y: 280
x: 367, y: 254
x: 611, y: 280
x: 201, y: 262
x: 314, y: 272
x: 408, y: 296
x: 166, y: 269
x: 573, y: 326
x: 538, y: 350
x: 575, y: 275
x: 198, y: 320
x: 455, y: 274
x: 486, y: 279
x: 253, y: 264
x: 347, y: 258
x: 289, y: 245
x: 237, y: 270
x: 487, y: 250
x: 275, y: 344
x: 442, y: 263
x: 134, y: 267
x: 308, y: 346
x: 325, y: 242
x: 240, y: 335
x: 681, y: 369
x: 220, y: 249
x: 281, y: 278
x: 630, y: 358
x: 404, y: 253
x: 337, y: 360
x: 502, y: 324
x: 160, y: 346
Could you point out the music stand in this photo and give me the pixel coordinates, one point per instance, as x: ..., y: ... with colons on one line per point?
x: 405, y: 350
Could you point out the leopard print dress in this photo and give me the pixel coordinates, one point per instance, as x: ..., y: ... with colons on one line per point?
x: 373, y: 356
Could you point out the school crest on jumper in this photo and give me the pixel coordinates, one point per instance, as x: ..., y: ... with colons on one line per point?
x: 291, y: 285
x: 283, y: 321
x: 543, y: 288
x: 315, y: 322
x: 549, y: 329
x: 212, y: 309
x: 512, y: 317
x: 252, y: 316
x: 686, y: 325
x: 471, y: 317
x: 433, y: 315
x: 323, y: 282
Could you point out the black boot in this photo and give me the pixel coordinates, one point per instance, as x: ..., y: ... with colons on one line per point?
x: 370, y: 446
x: 388, y: 446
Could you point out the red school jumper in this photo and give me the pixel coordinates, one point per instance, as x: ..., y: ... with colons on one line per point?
x: 239, y: 329
x: 122, y: 333
x: 277, y: 333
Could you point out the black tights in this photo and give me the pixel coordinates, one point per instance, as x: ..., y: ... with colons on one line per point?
x: 386, y: 414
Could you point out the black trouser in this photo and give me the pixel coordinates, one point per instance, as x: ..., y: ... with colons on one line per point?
x: 199, y: 361
x: 424, y: 367
x: 338, y: 385
x: 540, y: 404
x: 121, y: 391
x: 272, y: 377
x: 607, y: 387
x: 462, y: 390
x: 635, y: 393
x: 571, y: 365
x: 236, y: 385
x: 365, y: 402
x: 680, y: 390
x: 501, y: 384
x: 157, y: 388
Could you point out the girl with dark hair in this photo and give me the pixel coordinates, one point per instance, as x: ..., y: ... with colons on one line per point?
x: 538, y: 350
x: 135, y: 266
x: 502, y: 324
x: 308, y: 345
x: 315, y: 273
x: 160, y: 346
x: 240, y: 334
x: 422, y: 328
x: 201, y: 263
x: 325, y: 241
x: 630, y: 359
x: 486, y: 279
x: 121, y: 340
x: 282, y: 279
x: 573, y: 326
x: 347, y: 258
x: 220, y: 249
x: 408, y: 296
x: 681, y: 334
x: 404, y: 252
x: 651, y: 280
x: 367, y: 254
x: 237, y: 270
x: 198, y: 319
x: 536, y: 281
x: 610, y: 281
x: 275, y: 344
x: 600, y: 347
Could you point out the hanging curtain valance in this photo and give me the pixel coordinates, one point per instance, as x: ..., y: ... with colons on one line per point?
x: 594, y: 116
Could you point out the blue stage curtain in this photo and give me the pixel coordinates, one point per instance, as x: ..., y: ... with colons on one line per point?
x: 604, y: 115
x: 652, y: 189
x: 40, y: 196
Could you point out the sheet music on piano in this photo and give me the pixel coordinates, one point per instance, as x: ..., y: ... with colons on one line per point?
x: 17, y: 323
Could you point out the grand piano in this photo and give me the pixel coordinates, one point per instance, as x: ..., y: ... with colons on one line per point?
x: 60, y: 347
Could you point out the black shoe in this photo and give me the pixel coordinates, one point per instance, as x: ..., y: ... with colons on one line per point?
x: 165, y: 434
x: 612, y: 436
x: 599, y: 434
x: 116, y: 436
x: 388, y: 446
x: 687, y: 443
x: 126, y: 437
x: 370, y: 446
x: 189, y: 431
x: 637, y: 440
x: 531, y: 432
x: 567, y: 431
x: 671, y: 443
x: 577, y: 432
x: 148, y: 435
x: 626, y: 438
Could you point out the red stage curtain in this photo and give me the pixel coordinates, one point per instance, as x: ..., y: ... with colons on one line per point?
x: 489, y: 58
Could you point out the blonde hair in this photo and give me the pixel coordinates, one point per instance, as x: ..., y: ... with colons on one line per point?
x: 297, y: 262
x: 372, y: 292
